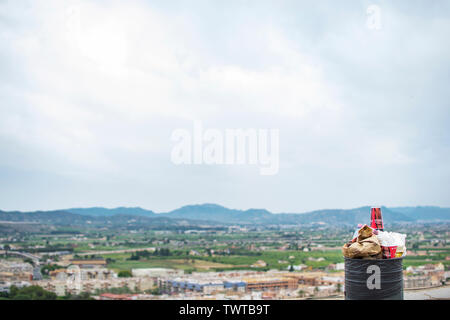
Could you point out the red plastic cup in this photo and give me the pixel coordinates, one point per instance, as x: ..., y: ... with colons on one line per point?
x: 376, y: 220
x: 389, y: 252
x: 392, y: 250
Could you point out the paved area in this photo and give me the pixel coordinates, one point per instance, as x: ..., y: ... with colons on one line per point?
x: 427, y: 294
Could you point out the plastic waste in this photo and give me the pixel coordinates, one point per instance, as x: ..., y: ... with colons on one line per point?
x: 393, y: 239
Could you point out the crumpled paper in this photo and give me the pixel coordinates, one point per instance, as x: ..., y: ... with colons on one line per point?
x: 366, y: 246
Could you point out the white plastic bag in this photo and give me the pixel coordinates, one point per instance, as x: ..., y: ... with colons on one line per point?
x: 388, y: 239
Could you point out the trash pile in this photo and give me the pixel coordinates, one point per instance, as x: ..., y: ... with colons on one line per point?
x: 375, y: 243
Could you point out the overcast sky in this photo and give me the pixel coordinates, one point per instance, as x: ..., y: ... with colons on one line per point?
x: 91, y: 91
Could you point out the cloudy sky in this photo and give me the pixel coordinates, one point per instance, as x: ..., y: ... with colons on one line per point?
x: 91, y: 92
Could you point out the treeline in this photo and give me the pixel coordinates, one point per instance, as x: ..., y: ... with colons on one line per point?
x: 63, y: 231
x: 48, y: 248
x: 242, y: 252
x: 145, y: 254
x: 28, y: 293
x: 39, y: 293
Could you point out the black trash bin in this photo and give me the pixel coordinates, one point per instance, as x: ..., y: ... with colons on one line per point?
x: 374, y: 279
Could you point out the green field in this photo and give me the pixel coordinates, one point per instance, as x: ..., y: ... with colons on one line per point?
x: 228, y: 262
x: 280, y: 260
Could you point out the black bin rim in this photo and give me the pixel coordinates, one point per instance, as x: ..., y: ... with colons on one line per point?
x: 353, y: 259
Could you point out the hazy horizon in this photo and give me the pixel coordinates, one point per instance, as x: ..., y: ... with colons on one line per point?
x: 231, y: 208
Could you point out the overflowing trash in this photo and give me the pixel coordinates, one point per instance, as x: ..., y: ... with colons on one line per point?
x: 393, y: 244
x: 372, y: 242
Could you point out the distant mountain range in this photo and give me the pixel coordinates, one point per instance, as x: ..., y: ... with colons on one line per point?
x: 213, y: 214
x: 104, y: 212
